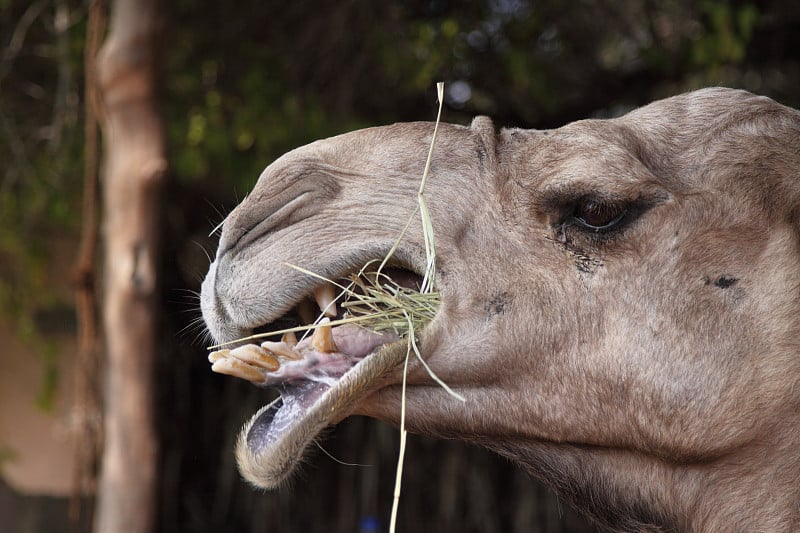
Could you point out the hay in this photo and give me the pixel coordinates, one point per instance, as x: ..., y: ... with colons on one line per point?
x: 371, y: 300
x: 427, y: 287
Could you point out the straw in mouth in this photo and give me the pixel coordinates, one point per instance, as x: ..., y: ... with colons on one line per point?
x: 370, y: 310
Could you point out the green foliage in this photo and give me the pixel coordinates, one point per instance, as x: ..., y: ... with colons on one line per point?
x: 41, y: 150
x: 434, y: 46
x: 729, y: 31
x: 48, y: 355
x: 228, y: 119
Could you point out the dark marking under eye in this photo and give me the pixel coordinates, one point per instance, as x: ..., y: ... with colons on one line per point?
x: 586, y: 264
x: 722, y: 282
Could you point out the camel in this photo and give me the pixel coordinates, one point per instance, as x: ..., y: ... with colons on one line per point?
x: 620, y: 303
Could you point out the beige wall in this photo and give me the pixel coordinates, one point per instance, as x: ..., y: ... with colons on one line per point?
x: 40, y: 441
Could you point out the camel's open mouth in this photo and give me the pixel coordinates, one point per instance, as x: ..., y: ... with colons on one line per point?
x: 318, y: 377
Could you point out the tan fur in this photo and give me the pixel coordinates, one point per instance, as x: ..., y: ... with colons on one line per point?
x: 651, y: 376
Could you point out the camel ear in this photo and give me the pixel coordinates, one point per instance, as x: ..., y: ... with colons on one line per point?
x: 483, y: 128
x: 738, y: 138
x: 772, y: 150
x: 791, y: 140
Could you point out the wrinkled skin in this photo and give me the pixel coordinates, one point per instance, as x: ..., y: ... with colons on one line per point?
x: 647, y: 371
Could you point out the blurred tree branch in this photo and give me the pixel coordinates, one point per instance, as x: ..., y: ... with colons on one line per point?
x: 18, y: 37
x: 87, y: 405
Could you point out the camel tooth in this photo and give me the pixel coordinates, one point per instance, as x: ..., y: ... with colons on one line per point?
x: 325, y: 296
x: 282, y: 349
x: 289, y: 338
x: 322, y: 341
x: 256, y: 355
x: 213, y: 357
x: 237, y: 369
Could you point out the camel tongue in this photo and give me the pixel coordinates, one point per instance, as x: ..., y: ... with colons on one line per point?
x: 278, y: 417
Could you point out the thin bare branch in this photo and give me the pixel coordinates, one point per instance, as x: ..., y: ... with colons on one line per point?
x: 18, y: 37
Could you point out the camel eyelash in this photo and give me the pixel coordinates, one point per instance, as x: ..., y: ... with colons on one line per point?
x: 598, y: 216
x: 592, y: 223
x: 597, y: 209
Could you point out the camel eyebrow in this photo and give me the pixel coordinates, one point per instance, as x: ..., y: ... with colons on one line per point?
x: 562, y: 196
x: 558, y: 199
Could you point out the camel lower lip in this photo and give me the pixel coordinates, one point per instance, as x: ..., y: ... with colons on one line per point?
x: 272, y: 442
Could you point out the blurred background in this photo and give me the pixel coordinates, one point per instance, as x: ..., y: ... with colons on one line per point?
x: 236, y: 85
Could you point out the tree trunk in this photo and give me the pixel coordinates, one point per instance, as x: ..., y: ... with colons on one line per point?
x: 135, y: 165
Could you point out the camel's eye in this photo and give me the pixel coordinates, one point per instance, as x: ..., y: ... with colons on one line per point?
x: 597, y: 215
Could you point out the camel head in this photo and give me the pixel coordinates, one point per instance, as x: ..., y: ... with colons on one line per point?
x: 619, y: 303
